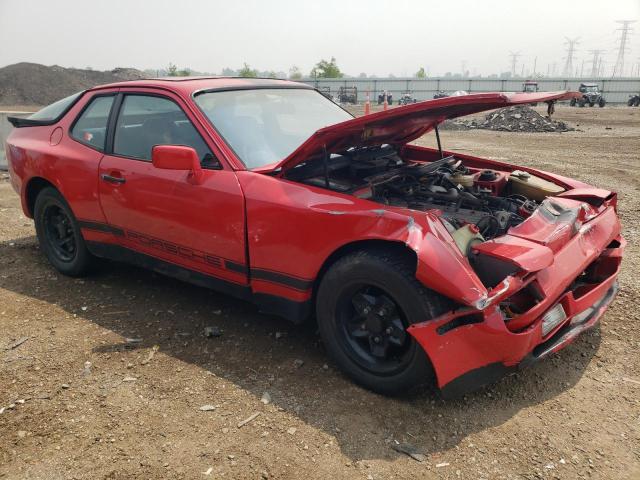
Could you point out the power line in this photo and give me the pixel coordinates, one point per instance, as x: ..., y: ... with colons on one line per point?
x: 625, y: 29
x: 595, y: 61
x: 571, y: 51
x: 514, y: 60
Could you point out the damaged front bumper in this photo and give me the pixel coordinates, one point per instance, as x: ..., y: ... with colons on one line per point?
x: 471, y: 347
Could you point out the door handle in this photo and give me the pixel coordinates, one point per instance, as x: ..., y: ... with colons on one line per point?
x: 111, y: 179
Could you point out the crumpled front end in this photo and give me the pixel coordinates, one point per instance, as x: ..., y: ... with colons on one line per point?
x: 566, y: 278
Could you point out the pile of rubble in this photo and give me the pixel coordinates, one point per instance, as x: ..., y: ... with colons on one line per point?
x: 518, y: 119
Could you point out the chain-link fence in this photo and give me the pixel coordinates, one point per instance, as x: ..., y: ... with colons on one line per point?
x: 615, y: 90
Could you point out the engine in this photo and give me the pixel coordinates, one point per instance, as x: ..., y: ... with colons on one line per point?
x: 463, y: 197
x: 482, y: 203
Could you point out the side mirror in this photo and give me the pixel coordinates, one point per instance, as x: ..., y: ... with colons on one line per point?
x: 177, y: 157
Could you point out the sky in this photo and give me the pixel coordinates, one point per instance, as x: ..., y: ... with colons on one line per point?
x: 372, y: 36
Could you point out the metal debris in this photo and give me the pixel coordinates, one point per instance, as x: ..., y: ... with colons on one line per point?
x: 247, y: 420
x: 409, y: 450
x: 17, y: 343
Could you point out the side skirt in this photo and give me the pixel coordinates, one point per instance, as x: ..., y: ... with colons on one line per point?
x: 296, y: 312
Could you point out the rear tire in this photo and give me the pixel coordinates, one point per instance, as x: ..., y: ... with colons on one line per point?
x: 572, y: 102
x: 364, y: 305
x: 601, y: 103
x: 59, y: 234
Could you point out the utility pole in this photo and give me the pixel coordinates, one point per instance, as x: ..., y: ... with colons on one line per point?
x: 571, y: 50
x: 514, y: 60
x: 464, y: 67
x: 535, y: 62
x: 595, y: 62
x: 625, y: 30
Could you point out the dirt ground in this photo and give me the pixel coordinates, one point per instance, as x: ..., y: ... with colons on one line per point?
x: 78, y: 400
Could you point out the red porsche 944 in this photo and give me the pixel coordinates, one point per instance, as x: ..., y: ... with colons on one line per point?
x: 419, y: 264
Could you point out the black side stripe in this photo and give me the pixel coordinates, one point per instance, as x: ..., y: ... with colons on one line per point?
x: 101, y: 227
x: 296, y: 283
x: 235, y: 267
x: 281, y: 278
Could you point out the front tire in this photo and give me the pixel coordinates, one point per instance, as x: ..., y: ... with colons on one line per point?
x: 59, y: 234
x: 365, y: 303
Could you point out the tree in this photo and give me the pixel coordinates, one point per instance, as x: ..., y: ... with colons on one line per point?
x: 247, y: 71
x: 324, y: 69
x: 172, y: 70
x: 295, y: 73
x: 362, y: 75
x: 421, y: 73
x: 185, y: 72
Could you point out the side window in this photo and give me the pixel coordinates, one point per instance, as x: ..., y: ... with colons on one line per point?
x: 91, y: 126
x: 145, y: 121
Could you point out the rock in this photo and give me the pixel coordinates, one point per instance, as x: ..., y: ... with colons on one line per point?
x: 212, y: 332
x: 443, y: 464
x: 298, y: 363
x: 207, y: 408
x: 292, y: 430
x: 22, y: 434
x: 264, y: 475
x: 87, y: 369
x: 133, y: 340
x: 129, y: 379
x: 266, y: 398
x: 65, y: 386
x: 208, y: 471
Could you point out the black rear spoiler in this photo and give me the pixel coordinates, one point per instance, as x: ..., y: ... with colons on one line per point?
x: 18, y: 122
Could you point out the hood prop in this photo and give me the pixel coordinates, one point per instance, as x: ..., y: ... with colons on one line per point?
x: 438, y: 139
x: 325, y: 160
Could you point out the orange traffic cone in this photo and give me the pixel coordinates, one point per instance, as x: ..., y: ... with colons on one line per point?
x: 367, y: 105
x: 385, y: 105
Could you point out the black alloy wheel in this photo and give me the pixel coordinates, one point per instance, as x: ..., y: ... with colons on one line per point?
x: 59, y: 233
x: 374, y: 329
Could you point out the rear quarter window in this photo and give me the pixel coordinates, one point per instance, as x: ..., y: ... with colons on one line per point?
x: 90, y: 127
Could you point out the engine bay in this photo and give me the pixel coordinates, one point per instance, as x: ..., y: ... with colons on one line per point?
x: 475, y: 204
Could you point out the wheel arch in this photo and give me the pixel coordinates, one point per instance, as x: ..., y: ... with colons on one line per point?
x: 360, y: 245
x: 31, y: 192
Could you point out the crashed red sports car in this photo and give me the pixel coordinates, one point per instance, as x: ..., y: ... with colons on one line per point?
x: 419, y: 264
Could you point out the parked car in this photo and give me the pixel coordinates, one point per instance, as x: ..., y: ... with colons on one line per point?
x: 591, y: 95
x: 419, y: 264
x: 634, y: 100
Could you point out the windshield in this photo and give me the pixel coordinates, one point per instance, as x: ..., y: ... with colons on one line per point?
x: 591, y: 89
x: 264, y: 126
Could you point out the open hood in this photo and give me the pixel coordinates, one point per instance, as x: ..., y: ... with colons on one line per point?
x: 403, y: 124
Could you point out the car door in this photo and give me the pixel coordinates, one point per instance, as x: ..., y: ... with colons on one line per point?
x: 165, y: 220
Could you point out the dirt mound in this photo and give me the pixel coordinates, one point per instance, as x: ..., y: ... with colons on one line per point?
x: 519, y: 119
x: 35, y: 84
